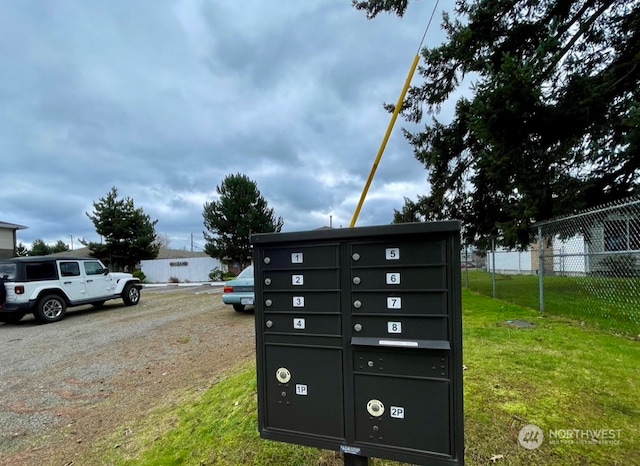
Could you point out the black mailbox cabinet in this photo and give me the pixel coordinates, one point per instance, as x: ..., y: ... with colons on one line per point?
x: 359, y: 340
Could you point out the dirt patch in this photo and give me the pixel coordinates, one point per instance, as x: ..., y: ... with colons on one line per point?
x: 70, y: 385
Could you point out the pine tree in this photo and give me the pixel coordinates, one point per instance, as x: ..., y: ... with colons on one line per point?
x: 240, y: 211
x: 551, y: 124
x: 128, y: 233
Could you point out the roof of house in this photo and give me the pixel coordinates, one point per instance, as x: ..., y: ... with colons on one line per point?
x: 12, y: 226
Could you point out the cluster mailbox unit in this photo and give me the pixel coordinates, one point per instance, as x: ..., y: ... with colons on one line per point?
x: 358, y: 340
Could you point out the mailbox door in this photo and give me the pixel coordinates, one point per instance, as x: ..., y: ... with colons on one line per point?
x: 298, y: 396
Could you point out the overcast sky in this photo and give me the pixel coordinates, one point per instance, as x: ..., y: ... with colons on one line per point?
x: 164, y: 98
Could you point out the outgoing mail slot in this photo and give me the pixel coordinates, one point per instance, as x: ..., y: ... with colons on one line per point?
x: 389, y: 253
x: 303, y: 256
x: 309, y: 301
x: 327, y: 279
x: 406, y: 302
x: 423, y: 278
x: 404, y: 328
x: 309, y: 324
x: 404, y: 362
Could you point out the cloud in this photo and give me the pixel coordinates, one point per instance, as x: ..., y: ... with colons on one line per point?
x: 163, y: 99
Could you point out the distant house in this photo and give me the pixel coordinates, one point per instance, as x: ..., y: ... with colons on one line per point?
x: 173, y: 265
x: 8, y: 241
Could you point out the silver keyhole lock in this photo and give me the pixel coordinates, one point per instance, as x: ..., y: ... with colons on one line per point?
x: 357, y: 304
x: 357, y: 327
x: 375, y: 408
x: 269, y: 323
x: 268, y: 303
x: 267, y: 281
x: 267, y: 260
x: 355, y: 256
x: 283, y: 375
x: 356, y: 280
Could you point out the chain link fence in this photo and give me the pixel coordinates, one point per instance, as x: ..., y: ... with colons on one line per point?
x: 585, y: 266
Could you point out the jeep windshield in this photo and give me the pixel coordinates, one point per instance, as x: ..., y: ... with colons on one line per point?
x: 7, y: 270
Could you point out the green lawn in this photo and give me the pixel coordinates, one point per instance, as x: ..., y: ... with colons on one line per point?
x: 560, y: 375
x: 608, y: 303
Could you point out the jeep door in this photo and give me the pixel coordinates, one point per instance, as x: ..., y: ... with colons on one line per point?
x: 98, y: 284
x: 71, y: 280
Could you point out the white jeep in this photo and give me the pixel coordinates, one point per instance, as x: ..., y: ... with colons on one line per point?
x: 46, y: 286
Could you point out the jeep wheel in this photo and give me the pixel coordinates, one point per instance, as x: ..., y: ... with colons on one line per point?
x: 130, y: 295
x: 51, y: 308
x: 238, y: 307
x: 11, y: 318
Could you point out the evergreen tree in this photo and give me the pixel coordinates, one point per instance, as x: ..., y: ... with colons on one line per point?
x: 240, y: 211
x: 21, y: 250
x: 551, y: 124
x: 128, y: 233
x: 60, y: 246
x: 39, y: 248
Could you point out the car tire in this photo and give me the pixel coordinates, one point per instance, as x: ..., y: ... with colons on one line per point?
x: 11, y: 318
x: 238, y: 307
x: 50, y: 308
x: 130, y: 295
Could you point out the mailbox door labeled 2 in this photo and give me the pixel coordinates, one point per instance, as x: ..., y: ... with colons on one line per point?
x: 304, y: 390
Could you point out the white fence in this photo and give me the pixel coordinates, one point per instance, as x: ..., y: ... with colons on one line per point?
x: 190, y: 269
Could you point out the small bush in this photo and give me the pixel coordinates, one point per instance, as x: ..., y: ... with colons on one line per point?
x: 174, y: 280
x: 216, y: 275
x: 139, y: 274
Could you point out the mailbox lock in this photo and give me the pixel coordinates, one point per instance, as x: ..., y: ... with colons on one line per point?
x: 370, y: 363
x: 356, y: 280
x: 357, y: 304
x: 355, y: 256
x: 267, y: 260
x: 269, y: 323
x: 375, y: 408
x: 357, y: 327
x: 267, y: 281
x: 283, y: 375
x: 268, y: 303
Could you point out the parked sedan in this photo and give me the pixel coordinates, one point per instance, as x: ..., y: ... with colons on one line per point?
x: 239, y: 292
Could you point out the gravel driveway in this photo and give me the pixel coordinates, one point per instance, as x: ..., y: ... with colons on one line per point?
x: 67, y: 385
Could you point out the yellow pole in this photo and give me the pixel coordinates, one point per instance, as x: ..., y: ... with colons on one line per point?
x: 396, y: 112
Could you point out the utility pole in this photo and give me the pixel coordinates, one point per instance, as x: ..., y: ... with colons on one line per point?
x: 71, y: 242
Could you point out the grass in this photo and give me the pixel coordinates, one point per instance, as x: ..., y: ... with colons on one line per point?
x: 559, y: 375
x: 608, y: 303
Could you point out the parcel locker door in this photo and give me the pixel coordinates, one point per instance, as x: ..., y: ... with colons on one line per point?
x: 405, y: 412
x: 304, y: 390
